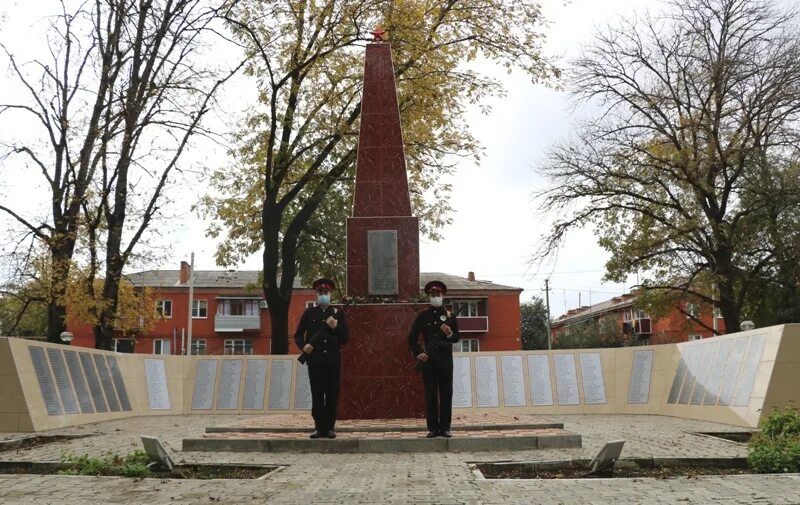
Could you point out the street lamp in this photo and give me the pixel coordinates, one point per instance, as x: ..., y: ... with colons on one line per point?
x: 66, y: 337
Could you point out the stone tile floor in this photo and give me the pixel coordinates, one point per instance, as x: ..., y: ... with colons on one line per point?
x: 412, y: 478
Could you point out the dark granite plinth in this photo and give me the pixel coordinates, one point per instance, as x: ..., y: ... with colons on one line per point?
x: 378, y: 379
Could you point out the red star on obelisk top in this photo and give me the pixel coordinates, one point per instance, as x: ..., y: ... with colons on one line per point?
x: 378, y: 33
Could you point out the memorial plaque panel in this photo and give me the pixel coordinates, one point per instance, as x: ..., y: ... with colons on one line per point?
x: 156, y: 377
x: 47, y: 385
x: 280, y: 384
x: 229, y: 380
x: 205, y: 376
x: 382, y: 262
x: 513, y: 381
x: 106, y: 382
x: 94, y: 383
x: 119, y: 384
x: 63, y: 384
x: 74, y: 367
x: 486, y: 381
x: 704, y: 368
x: 641, y: 373
x: 302, y: 388
x: 462, y: 382
x: 566, y: 379
x: 680, y: 377
x: 539, y: 378
x: 717, y: 371
x: 692, y: 362
x: 255, y: 381
x: 747, y: 375
x: 732, y: 370
x: 594, y: 387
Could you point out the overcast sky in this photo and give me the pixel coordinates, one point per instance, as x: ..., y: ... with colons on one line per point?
x: 496, y: 225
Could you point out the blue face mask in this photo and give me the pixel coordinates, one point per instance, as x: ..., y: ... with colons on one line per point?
x: 324, y: 300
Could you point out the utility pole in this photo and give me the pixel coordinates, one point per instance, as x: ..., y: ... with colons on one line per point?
x: 547, y: 304
x: 191, y: 307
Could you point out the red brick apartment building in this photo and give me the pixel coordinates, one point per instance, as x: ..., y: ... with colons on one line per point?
x: 230, y: 316
x: 633, y: 322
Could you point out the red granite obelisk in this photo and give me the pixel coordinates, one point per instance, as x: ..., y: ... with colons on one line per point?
x: 378, y: 380
x: 382, y: 235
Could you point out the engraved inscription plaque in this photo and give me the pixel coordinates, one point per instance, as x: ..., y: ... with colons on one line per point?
x: 94, y: 383
x: 641, y: 372
x: 204, y: 378
x: 677, y: 381
x: 229, y: 379
x: 704, y: 368
x: 255, y: 381
x: 302, y: 388
x: 566, y: 379
x: 105, y: 381
x: 732, y: 371
x: 716, y: 372
x: 462, y: 382
x: 280, y: 384
x: 382, y: 262
x: 513, y: 381
x: 45, y: 378
x: 62, y: 381
x: 74, y: 367
x: 594, y: 387
x: 486, y: 381
x: 747, y: 376
x: 156, y: 377
x: 119, y: 384
x: 539, y: 378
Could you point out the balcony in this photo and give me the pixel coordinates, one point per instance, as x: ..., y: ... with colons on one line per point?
x: 236, y: 324
x: 476, y: 324
x: 643, y: 326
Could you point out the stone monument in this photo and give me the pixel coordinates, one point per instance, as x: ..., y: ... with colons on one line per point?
x: 378, y: 380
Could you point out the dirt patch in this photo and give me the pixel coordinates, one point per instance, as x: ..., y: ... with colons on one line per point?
x: 17, y: 444
x: 741, y: 437
x: 623, y: 469
x: 178, y: 472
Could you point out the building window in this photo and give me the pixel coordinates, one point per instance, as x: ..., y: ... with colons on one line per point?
x: 717, y: 312
x: 467, y: 345
x: 199, y: 309
x: 199, y: 346
x: 237, y: 307
x: 692, y: 310
x: 465, y: 308
x: 164, y: 308
x: 627, y: 315
x: 161, y: 346
x: 238, y: 346
x: 695, y: 337
x: 123, y: 345
x: 641, y: 314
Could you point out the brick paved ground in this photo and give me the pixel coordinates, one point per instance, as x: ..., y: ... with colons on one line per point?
x: 418, y: 478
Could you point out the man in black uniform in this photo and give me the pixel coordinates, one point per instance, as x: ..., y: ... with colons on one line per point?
x: 322, y: 330
x: 435, y: 353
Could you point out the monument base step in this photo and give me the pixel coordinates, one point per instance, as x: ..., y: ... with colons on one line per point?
x: 366, y: 442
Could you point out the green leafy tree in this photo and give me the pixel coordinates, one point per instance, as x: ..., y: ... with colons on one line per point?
x: 592, y: 333
x: 290, y: 191
x: 533, y: 324
x: 687, y: 172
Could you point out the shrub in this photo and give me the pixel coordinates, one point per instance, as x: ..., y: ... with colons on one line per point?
x: 776, y: 448
x: 134, y: 464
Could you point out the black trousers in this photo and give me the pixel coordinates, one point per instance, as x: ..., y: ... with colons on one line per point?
x: 438, y: 380
x: 324, y: 381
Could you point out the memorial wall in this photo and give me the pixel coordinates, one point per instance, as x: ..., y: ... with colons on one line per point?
x: 732, y: 379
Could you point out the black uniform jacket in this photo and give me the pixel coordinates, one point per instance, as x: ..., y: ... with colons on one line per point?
x: 436, y: 344
x: 315, y: 331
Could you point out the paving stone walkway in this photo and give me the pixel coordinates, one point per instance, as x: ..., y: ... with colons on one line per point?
x: 415, y: 478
